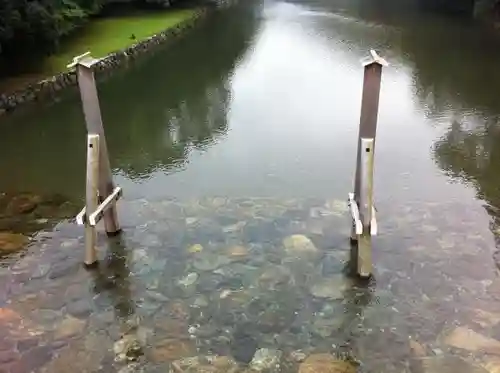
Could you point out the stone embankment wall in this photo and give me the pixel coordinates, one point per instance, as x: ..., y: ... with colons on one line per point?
x: 48, y: 89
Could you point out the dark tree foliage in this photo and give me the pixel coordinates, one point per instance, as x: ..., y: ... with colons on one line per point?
x: 28, y: 24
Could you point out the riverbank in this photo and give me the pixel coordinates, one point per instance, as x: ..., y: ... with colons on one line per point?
x: 111, y: 34
x: 115, y: 40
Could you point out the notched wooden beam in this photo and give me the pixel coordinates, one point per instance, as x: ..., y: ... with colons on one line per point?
x: 109, y: 202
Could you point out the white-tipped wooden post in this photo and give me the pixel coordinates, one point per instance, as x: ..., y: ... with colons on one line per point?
x: 91, y: 200
x: 361, y: 201
x: 101, y: 194
x: 84, y: 65
x: 364, y: 264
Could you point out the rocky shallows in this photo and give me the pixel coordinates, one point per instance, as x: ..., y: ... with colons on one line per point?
x: 23, y: 214
x: 238, y: 285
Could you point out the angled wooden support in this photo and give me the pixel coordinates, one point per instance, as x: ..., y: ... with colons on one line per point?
x: 99, y: 173
x: 105, y: 205
x: 97, y: 215
x: 92, y: 199
x: 364, y: 223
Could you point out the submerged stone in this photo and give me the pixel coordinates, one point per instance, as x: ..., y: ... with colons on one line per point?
x: 275, y: 277
x: 157, y: 296
x: 330, y: 287
x: 132, y: 368
x: 32, y: 360
x: 153, y: 284
x: 325, y: 327
x: 299, y: 245
x: 76, y: 357
x: 148, y: 307
x: 187, y: 284
x: 128, y: 348
x: 234, y: 227
x: 331, y: 265
x: 205, y: 364
x: 8, y: 357
x: 61, y: 270
x: 165, y: 325
x: 205, y: 331
x: 197, y: 248
x: 237, y: 252
x: 139, y: 254
x: 467, y: 339
x: 484, y: 318
x: 67, y: 244
x: 188, y: 280
x: 144, y: 334
x: 326, y: 363
x: 27, y: 344
x: 445, y: 364
x: 266, y: 360
x: 492, y: 365
x: 191, y: 221
x: 274, y: 311
x: 416, y: 349
x: 298, y: 356
x: 243, y: 346
x: 47, y: 316
x: 23, y: 204
x: 171, y: 349
x: 178, y: 310
x: 200, y: 301
x: 337, y: 207
x: 276, y: 318
x: 80, y: 308
x: 209, y: 261
x: 157, y: 265
x: 40, y: 271
x: 69, y: 327
x: 496, y: 258
x: 12, y: 242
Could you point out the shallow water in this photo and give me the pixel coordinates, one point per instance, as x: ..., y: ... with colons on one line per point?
x: 239, y: 136
x: 189, y: 301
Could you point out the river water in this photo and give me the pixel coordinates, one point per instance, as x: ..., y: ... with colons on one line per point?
x: 234, y: 139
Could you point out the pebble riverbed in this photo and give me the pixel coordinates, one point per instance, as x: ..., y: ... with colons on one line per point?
x: 231, y: 285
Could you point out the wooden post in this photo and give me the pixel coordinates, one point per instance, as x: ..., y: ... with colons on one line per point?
x: 361, y: 201
x: 84, y: 68
x: 369, y: 109
x: 364, y: 262
x: 91, y: 197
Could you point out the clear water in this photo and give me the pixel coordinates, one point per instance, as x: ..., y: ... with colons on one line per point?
x: 238, y: 136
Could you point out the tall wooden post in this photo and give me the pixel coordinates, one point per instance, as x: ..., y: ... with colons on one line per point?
x: 361, y: 201
x: 84, y: 65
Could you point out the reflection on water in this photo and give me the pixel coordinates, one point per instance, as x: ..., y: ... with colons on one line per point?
x: 156, y: 113
x: 264, y: 101
x: 112, y: 280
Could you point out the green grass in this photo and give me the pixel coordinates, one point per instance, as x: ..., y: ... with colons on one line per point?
x: 103, y: 36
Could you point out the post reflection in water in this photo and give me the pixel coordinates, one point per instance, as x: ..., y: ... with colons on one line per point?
x: 112, y: 279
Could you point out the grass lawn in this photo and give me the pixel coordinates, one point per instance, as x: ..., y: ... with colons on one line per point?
x: 106, y: 35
